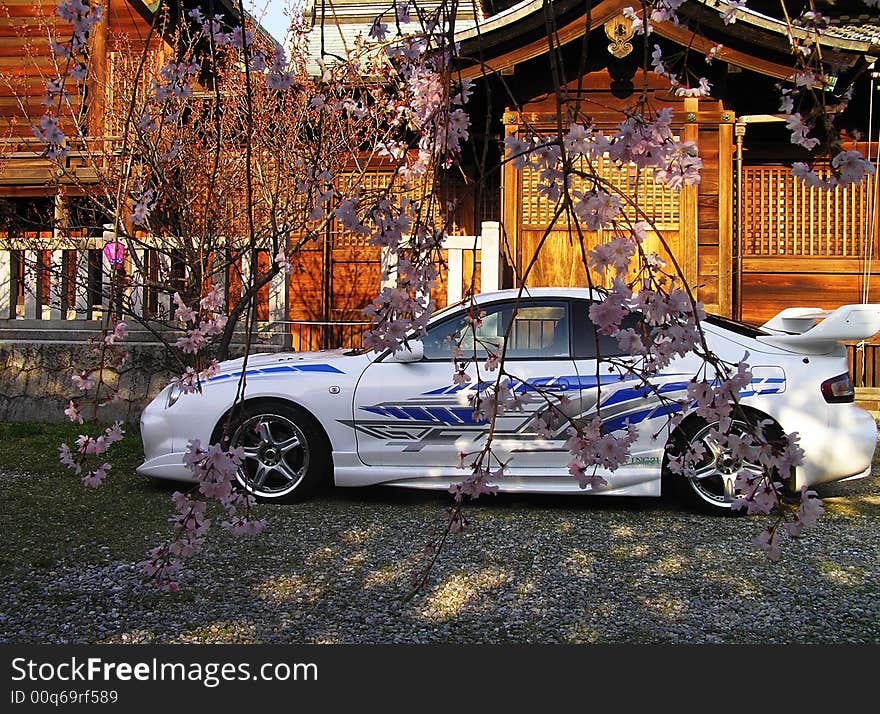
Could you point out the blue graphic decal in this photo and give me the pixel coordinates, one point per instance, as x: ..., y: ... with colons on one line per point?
x: 657, y: 410
x: 628, y: 404
x: 276, y: 369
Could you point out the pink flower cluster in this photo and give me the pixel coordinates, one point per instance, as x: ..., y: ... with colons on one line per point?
x: 214, y: 470
x: 87, y: 446
x: 591, y: 449
x: 203, y: 325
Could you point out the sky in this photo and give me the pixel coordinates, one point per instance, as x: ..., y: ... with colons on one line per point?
x: 270, y: 14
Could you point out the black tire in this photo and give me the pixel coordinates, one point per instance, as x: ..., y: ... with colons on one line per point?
x: 287, y: 455
x: 711, y: 488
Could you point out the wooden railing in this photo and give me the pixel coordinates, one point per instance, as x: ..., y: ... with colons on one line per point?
x: 783, y: 217
x: 308, y: 336
x: 864, y: 364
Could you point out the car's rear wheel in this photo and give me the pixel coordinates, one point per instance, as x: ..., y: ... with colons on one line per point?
x: 711, y: 484
x: 286, y: 455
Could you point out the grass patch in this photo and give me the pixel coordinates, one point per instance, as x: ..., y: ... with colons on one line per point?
x: 33, y: 448
x: 50, y: 518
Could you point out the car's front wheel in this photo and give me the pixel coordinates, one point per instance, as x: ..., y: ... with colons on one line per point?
x: 286, y: 455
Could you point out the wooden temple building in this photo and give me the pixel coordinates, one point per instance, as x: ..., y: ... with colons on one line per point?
x: 748, y: 237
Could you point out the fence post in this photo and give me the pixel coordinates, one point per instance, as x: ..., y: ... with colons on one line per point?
x: 81, y: 296
x: 454, y: 274
x: 490, y: 256
x: 6, y: 285
x: 164, y: 310
x: 278, y: 297
x: 56, y: 285
x: 389, y: 269
x: 136, y: 291
x: 31, y: 285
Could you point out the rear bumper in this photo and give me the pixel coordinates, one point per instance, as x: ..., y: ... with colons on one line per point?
x: 840, y: 449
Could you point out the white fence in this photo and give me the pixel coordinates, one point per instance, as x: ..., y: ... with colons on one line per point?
x: 71, y: 284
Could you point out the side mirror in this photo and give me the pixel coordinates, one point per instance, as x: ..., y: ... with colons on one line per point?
x: 415, y: 353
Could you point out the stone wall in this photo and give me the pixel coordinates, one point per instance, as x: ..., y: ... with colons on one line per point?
x: 35, y: 380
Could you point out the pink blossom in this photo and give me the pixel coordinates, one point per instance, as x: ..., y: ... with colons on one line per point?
x: 768, y: 541
x: 852, y: 167
x: 96, y: 477
x: 597, y: 209
x: 606, y: 315
x: 729, y: 13
x: 65, y: 456
x: 72, y: 412
x: 82, y: 381
x: 184, y: 313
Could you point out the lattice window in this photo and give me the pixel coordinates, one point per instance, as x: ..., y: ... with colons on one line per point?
x: 371, y: 184
x: 782, y: 216
x: 660, y: 204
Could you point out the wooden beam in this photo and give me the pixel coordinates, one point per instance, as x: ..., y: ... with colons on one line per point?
x: 605, y: 11
x: 600, y: 14
x: 510, y: 201
x: 97, y: 81
x: 725, y: 218
x: 688, y: 229
x: 687, y: 38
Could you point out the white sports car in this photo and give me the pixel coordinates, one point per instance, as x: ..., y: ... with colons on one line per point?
x: 399, y: 419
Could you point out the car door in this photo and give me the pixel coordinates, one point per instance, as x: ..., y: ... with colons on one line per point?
x: 609, y: 389
x: 416, y: 414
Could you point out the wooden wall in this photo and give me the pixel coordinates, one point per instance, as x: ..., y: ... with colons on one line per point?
x: 805, y: 246
x: 694, y: 225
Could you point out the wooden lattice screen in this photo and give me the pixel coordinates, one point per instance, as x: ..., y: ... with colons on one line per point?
x: 371, y: 184
x: 660, y: 204
x: 781, y: 216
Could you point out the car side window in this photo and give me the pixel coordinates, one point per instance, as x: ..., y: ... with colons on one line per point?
x: 538, y: 330
x: 590, y: 344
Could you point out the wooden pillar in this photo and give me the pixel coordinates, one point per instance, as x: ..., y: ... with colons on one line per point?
x: 725, y: 217
x: 511, y: 198
x: 97, y: 81
x: 689, y: 200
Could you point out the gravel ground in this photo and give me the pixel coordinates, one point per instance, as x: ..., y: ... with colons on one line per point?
x: 530, y: 569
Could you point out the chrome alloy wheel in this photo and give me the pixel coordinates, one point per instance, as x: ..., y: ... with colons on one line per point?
x: 276, y: 455
x: 714, y: 475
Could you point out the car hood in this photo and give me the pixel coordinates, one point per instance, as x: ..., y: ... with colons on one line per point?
x: 330, y: 361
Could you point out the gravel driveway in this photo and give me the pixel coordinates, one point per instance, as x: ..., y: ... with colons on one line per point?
x: 530, y: 569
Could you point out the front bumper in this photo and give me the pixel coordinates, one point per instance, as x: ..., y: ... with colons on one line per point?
x: 162, y: 459
x: 169, y: 466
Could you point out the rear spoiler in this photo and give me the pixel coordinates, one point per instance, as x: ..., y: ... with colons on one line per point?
x: 812, y: 330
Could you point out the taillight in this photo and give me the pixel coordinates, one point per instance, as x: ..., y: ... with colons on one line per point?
x: 838, y: 389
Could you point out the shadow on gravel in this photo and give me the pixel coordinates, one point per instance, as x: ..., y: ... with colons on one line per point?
x: 529, y: 568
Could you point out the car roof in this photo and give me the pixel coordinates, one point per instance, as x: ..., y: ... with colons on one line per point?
x: 580, y: 293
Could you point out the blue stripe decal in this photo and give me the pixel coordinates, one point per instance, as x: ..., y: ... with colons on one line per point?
x: 443, y: 415
x: 277, y: 369
x: 417, y: 413
x: 397, y: 412
x: 619, y: 422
